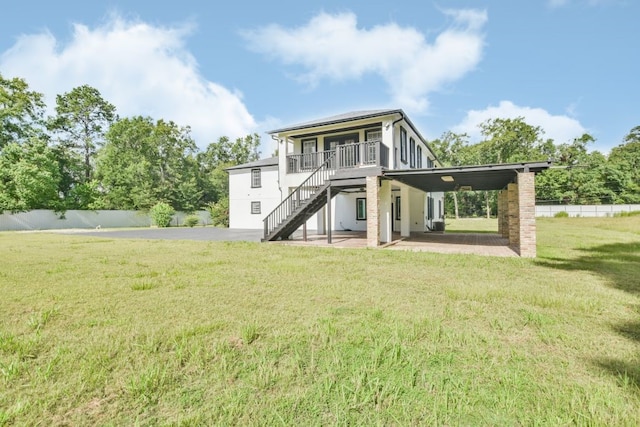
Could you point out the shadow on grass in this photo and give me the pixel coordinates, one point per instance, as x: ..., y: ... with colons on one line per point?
x: 628, y: 372
x: 619, y: 264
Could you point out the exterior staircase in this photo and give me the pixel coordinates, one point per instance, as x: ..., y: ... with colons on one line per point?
x: 307, y: 199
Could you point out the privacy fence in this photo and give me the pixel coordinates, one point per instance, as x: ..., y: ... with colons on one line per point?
x: 585, y: 210
x: 50, y: 220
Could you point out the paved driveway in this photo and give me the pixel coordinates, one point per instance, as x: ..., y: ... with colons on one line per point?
x: 177, y: 233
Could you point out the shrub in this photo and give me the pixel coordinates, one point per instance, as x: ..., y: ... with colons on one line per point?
x: 626, y: 213
x: 161, y: 214
x: 219, y: 212
x: 561, y: 214
x: 191, y: 221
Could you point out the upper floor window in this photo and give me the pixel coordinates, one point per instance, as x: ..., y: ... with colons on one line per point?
x: 256, y: 181
x: 429, y: 162
x: 412, y: 152
x: 419, y: 157
x: 403, y: 145
x: 373, y: 135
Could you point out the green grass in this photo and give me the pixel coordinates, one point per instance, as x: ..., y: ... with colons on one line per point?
x: 118, y: 332
x: 471, y: 225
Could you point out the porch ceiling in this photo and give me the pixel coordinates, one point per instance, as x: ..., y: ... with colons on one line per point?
x: 483, y: 177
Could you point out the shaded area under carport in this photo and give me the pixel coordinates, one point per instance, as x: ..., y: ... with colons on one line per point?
x: 465, y: 178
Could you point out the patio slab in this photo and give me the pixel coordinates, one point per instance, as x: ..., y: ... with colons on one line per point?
x: 487, y: 244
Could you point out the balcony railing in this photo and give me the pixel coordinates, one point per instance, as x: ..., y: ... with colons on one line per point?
x: 347, y: 156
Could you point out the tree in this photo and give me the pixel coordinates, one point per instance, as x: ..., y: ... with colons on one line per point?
x: 625, y: 160
x: 144, y: 162
x: 513, y: 140
x: 29, y: 177
x: 214, y: 180
x: 82, y: 119
x: 21, y: 111
x: 450, y: 150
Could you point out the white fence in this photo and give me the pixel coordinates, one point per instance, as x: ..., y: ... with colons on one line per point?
x: 585, y: 210
x: 49, y: 220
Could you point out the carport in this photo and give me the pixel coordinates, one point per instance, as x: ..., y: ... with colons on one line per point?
x: 516, y: 197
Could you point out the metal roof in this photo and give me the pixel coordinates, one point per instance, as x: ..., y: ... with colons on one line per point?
x: 482, y: 177
x: 270, y: 161
x: 340, y: 118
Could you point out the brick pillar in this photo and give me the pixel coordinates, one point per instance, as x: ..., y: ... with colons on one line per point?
x: 513, y: 216
x: 500, y: 213
x: 503, y: 197
x: 527, y: 214
x: 373, y: 211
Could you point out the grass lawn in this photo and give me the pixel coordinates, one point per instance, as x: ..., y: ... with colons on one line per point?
x: 96, y: 331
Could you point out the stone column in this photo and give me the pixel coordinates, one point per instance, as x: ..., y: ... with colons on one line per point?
x: 373, y: 211
x: 527, y: 214
x: 514, y: 216
x: 503, y: 214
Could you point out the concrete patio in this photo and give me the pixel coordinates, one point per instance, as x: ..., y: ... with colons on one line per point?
x: 488, y: 244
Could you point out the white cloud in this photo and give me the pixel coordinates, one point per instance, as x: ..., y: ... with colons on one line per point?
x: 559, y: 128
x: 332, y: 47
x: 140, y: 68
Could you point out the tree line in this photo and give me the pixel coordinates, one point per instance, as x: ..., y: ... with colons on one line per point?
x: 578, y: 176
x: 87, y: 157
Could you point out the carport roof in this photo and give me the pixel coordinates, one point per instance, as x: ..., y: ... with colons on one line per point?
x: 481, y: 177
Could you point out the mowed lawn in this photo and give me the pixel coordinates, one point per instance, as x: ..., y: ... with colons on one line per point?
x: 96, y: 331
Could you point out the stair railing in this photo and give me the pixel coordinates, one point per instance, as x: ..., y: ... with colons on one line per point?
x: 303, y: 192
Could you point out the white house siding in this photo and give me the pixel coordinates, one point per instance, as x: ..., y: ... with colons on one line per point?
x: 396, y: 153
x: 241, y: 195
x: 418, y: 214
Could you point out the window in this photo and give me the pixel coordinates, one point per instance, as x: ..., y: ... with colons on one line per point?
x: 412, y: 152
x: 255, y: 208
x: 361, y: 209
x: 419, y: 156
x: 373, y: 135
x: 397, y: 208
x: 403, y: 145
x: 255, y: 178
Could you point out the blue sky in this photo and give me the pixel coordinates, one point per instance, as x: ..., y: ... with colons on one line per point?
x: 569, y: 66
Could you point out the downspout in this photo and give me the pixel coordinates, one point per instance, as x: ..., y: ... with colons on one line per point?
x: 400, y: 119
x: 278, y: 145
x: 393, y: 146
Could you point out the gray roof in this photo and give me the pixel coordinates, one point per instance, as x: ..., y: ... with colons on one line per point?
x: 270, y: 161
x: 352, y: 116
x: 340, y: 118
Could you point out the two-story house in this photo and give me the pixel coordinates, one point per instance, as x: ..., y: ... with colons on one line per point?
x: 370, y: 171
x: 319, y: 178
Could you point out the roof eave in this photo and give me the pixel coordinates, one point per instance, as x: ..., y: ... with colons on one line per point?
x: 336, y: 121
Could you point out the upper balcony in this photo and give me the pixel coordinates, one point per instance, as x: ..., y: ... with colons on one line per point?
x: 347, y: 156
